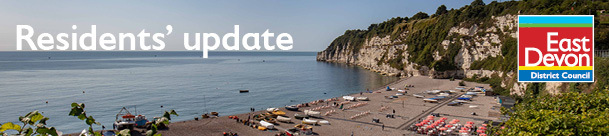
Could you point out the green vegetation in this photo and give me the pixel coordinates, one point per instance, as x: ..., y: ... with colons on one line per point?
x: 34, y: 124
x: 569, y: 113
x: 426, y: 33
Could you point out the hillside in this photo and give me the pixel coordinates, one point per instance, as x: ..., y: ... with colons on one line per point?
x: 476, y: 42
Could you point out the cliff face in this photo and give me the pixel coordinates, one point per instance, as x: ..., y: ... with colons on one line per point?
x: 474, y: 43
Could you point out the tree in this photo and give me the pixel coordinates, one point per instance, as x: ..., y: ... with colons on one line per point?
x: 477, y: 3
x: 420, y: 15
x: 441, y: 10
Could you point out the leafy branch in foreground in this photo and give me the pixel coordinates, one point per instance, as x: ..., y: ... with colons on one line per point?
x: 78, y: 110
x: 32, y: 119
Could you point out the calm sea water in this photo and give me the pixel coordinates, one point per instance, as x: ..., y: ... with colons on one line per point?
x: 176, y: 80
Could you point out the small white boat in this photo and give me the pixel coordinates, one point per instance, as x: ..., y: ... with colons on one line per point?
x: 267, y: 124
x: 324, y: 122
x: 443, y: 94
x: 399, y: 94
x: 473, y: 106
x: 271, y: 109
x: 362, y: 98
x: 312, y: 113
x: 430, y: 100
x: 471, y: 93
x: 461, y: 101
x: 309, y: 121
x: 418, y: 96
x: 349, y: 98
x: 284, y: 119
x: 403, y: 91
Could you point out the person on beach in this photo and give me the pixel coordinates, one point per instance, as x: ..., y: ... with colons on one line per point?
x: 383, y: 127
x: 361, y: 93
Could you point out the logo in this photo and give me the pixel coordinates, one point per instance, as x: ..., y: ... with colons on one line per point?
x: 555, y: 48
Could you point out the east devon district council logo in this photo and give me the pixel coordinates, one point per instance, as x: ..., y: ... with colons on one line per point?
x: 555, y: 48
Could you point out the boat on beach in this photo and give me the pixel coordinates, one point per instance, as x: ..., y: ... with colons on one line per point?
x: 362, y: 98
x: 312, y: 113
x: 284, y: 119
x: 291, y: 108
x: 324, y: 122
x: 300, y: 116
x: 128, y: 120
x: 418, y: 96
x: 349, y: 98
x: 271, y: 109
x: 430, y: 100
x: 309, y: 121
x: 267, y: 125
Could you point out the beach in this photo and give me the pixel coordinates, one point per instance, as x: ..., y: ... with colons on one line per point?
x: 408, y: 110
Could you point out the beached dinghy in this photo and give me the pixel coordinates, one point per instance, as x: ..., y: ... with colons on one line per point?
x: 284, y: 119
x: 349, y: 98
x: 312, y: 113
x: 271, y: 109
x: 362, y: 98
x: 309, y: 121
x: 431, y: 100
x: 299, y: 116
x: 278, y: 113
x: 399, y: 94
x: 291, y: 108
x: 267, y: 125
x: 418, y: 96
x: 402, y: 91
x: 324, y: 122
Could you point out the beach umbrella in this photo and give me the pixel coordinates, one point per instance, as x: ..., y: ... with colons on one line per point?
x: 419, y: 124
x: 480, y: 131
x: 443, y: 129
x: 468, y: 125
x: 448, y: 125
x: 469, y: 122
x: 463, y: 128
x: 485, y: 125
x: 483, y: 128
x: 482, y: 134
x: 462, y: 131
x: 443, y: 118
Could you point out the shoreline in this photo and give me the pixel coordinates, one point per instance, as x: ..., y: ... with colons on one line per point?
x: 407, y: 109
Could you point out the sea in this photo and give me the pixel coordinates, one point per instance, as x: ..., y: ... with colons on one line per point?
x: 149, y: 83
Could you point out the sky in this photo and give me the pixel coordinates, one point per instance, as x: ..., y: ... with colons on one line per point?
x: 312, y: 24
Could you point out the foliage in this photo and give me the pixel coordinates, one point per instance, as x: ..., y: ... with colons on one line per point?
x: 441, y: 10
x: 78, y: 110
x: 420, y: 15
x: 461, y: 83
x: 34, y: 123
x: 569, y: 113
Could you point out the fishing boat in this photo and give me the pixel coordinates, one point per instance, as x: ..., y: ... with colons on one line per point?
x: 461, y: 101
x: 309, y: 121
x: 362, y: 98
x: 399, y: 94
x: 465, y: 97
x: 402, y: 91
x: 244, y: 91
x: 291, y: 108
x: 312, y: 113
x: 267, y: 125
x: 349, y: 98
x: 126, y: 120
x: 284, y: 119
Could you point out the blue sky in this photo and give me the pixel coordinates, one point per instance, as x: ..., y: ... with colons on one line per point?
x: 312, y: 24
